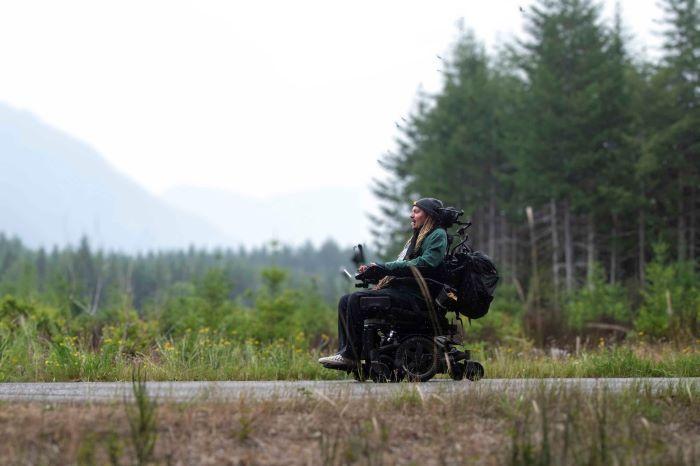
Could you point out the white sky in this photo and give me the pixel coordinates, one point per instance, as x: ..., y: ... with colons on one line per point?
x: 257, y: 97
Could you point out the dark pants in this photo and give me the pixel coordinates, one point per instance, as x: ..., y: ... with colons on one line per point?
x: 351, y: 318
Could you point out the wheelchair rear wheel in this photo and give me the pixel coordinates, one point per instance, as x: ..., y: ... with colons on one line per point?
x: 419, y: 358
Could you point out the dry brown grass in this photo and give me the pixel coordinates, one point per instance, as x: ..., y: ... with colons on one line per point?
x: 409, y: 428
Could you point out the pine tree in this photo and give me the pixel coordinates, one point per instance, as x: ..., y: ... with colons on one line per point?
x: 672, y: 158
x: 572, y: 108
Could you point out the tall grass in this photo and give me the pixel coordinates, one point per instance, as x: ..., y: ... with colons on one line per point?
x: 616, y: 361
x: 28, y: 359
x: 564, y: 426
x: 27, y: 354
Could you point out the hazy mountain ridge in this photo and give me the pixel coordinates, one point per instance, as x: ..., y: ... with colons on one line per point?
x: 56, y: 189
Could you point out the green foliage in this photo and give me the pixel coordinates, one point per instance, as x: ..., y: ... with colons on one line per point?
x: 273, y: 278
x: 130, y: 334
x: 464, y: 127
x: 214, y: 288
x: 671, y: 300
x: 21, y: 351
x: 277, y: 312
x: 567, y: 123
x: 14, y: 312
x: 298, y: 315
x: 274, y: 314
x: 83, y: 281
x: 568, y: 69
x: 600, y: 302
x: 205, y: 305
x: 198, y: 332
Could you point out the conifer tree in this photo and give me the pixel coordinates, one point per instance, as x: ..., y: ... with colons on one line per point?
x: 571, y: 105
x: 672, y: 158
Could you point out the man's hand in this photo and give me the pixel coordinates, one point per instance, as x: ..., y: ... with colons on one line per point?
x: 365, y: 267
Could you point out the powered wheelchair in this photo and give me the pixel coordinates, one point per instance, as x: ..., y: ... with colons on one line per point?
x: 405, y: 345
x: 416, y: 346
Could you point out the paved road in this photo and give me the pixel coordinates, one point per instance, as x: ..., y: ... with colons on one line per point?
x: 221, y: 391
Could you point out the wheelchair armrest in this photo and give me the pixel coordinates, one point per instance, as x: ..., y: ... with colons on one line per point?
x: 429, y: 281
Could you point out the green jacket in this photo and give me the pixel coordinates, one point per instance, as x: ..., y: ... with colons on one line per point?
x: 431, y: 254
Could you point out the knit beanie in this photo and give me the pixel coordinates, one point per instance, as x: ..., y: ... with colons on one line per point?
x: 430, y: 205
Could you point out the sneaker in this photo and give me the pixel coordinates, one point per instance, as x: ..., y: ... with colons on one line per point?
x: 337, y: 360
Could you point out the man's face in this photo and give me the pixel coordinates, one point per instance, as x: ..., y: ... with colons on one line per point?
x: 418, y: 217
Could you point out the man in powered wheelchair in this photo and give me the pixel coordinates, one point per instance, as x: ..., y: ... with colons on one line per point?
x: 398, y: 330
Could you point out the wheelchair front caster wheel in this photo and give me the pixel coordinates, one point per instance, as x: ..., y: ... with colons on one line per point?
x: 458, y: 370
x: 474, y: 371
x: 383, y: 370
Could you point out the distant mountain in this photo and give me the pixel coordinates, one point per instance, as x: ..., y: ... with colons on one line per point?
x: 54, y: 189
x: 315, y: 215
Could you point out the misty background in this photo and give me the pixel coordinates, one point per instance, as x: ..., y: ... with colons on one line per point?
x: 168, y: 124
x: 57, y: 189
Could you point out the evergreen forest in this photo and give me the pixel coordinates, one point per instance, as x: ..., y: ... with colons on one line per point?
x: 577, y: 161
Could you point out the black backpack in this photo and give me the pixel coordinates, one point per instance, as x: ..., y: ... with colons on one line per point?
x: 473, y: 277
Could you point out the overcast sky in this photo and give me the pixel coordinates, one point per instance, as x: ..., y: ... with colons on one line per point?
x: 256, y: 97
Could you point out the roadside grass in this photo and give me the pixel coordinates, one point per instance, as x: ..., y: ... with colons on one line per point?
x: 540, y: 426
x: 615, y: 361
x: 28, y: 357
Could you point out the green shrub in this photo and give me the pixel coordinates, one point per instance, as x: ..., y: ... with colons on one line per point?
x: 671, y: 298
x: 599, y: 302
x: 130, y: 334
x: 273, y: 279
x: 314, y: 319
x: 48, y: 321
x: 299, y: 316
x: 206, y: 305
x: 277, y: 312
